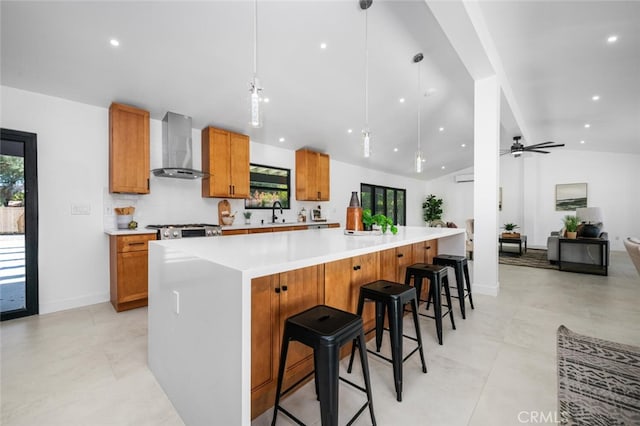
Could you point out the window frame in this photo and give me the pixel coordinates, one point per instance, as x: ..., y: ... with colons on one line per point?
x: 384, y: 189
x: 251, y: 188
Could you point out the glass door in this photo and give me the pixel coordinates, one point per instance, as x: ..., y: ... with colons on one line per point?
x: 18, y: 225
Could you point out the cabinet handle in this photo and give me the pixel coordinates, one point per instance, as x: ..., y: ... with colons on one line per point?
x: 428, y: 248
x: 277, y: 289
x: 148, y: 188
x: 284, y: 288
x: 357, y: 267
x: 319, y: 195
x: 400, y: 255
x: 136, y: 244
x: 233, y: 189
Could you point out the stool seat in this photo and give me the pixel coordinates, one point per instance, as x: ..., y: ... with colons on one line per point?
x: 325, y: 329
x: 460, y: 267
x: 392, y: 297
x: 438, y: 279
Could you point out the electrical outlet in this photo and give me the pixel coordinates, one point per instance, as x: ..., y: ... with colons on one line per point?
x: 80, y: 209
x: 108, y: 211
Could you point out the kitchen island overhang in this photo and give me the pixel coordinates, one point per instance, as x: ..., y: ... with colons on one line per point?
x: 200, y: 307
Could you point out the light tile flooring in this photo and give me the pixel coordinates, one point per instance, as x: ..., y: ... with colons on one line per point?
x: 87, y: 366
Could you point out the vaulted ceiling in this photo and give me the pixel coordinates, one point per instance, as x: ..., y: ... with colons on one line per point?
x: 196, y: 58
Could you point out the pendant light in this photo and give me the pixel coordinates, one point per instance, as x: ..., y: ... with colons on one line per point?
x: 419, y: 158
x: 254, y: 84
x: 366, y: 133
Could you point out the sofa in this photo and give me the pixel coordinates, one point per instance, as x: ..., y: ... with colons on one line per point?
x: 576, y: 253
x: 633, y: 248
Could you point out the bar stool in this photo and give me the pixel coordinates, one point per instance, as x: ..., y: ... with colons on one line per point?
x: 325, y: 329
x: 391, y: 296
x: 437, y: 276
x: 459, y: 265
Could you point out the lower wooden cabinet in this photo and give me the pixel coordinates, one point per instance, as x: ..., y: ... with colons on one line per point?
x: 394, y: 262
x: 129, y: 270
x: 274, y: 298
x: 424, y: 252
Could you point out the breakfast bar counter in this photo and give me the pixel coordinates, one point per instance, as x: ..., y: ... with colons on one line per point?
x: 200, y: 299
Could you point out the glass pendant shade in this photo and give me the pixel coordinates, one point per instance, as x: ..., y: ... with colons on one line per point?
x: 419, y: 160
x: 366, y: 143
x: 256, y: 111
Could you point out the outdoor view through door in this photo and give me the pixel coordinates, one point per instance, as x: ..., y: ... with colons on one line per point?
x: 390, y: 202
x: 18, y: 225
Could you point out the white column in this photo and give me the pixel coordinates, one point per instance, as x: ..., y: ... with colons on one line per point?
x: 485, y: 197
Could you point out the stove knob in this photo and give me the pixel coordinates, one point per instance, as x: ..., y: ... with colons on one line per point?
x: 166, y: 234
x: 175, y: 234
x: 209, y: 233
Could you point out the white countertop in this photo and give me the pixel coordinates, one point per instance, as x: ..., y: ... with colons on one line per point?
x: 263, y: 254
x: 139, y: 231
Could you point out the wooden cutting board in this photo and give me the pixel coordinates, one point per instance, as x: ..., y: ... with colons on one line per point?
x: 224, y: 209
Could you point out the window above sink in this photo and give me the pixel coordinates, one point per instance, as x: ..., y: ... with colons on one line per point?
x: 267, y: 185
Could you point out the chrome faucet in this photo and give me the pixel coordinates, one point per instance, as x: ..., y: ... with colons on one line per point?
x: 273, y: 211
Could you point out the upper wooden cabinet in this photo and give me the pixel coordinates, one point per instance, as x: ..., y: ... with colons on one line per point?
x: 225, y: 156
x: 312, y: 176
x: 128, y: 149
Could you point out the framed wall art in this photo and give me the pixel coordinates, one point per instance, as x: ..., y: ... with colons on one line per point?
x: 570, y: 196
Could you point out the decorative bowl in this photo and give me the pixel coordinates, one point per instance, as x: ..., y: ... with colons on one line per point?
x: 228, y: 220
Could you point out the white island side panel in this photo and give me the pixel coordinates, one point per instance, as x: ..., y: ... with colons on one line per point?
x: 201, y: 356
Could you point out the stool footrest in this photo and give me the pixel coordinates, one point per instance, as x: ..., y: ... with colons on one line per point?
x: 293, y: 386
x: 372, y: 352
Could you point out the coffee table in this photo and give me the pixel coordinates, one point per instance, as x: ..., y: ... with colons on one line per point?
x: 522, y: 239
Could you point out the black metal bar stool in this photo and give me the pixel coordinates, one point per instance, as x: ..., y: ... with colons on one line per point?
x: 460, y: 266
x: 437, y: 276
x: 393, y: 296
x: 325, y: 329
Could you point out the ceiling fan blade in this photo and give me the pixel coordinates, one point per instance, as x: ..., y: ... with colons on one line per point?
x: 537, y: 150
x: 541, y: 144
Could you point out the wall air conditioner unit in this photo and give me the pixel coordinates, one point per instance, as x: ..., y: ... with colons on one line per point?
x: 464, y: 178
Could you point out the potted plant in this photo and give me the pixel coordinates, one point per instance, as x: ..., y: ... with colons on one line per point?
x: 247, y: 217
x: 509, y: 231
x: 432, y: 209
x: 368, y: 220
x: 571, y: 226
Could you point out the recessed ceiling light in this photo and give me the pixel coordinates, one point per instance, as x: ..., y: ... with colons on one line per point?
x: 281, y: 140
x: 349, y: 130
x: 114, y: 42
x: 424, y: 160
x: 581, y: 141
x: 612, y: 39
x: 441, y: 129
x: 266, y: 100
x: 323, y: 45
x: 401, y: 100
x: 464, y: 145
x: 586, y: 126
x: 395, y: 149
x: 443, y: 167
x: 595, y: 98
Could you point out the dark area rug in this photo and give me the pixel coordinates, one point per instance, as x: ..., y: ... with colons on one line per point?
x: 533, y: 258
x: 598, y: 381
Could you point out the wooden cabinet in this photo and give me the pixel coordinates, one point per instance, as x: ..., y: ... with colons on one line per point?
x: 128, y: 149
x: 312, y: 176
x: 225, y: 156
x: 394, y: 262
x: 128, y: 256
x: 343, y: 279
x: 424, y: 252
x: 274, y: 298
x: 234, y: 231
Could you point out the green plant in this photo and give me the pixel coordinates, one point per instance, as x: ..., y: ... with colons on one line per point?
x: 510, y: 226
x: 570, y: 223
x: 247, y: 215
x: 432, y: 208
x: 379, y: 219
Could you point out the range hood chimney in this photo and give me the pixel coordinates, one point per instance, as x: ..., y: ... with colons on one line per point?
x: 177, y: 161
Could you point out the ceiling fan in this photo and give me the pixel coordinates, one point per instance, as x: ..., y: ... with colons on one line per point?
x: 517, y: 148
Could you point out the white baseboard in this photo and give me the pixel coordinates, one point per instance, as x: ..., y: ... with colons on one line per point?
x: 489, y: 290
x: 62, y: 305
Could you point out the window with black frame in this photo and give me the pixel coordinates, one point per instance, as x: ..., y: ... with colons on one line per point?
x: 267, y: 185
x: 390, y: 202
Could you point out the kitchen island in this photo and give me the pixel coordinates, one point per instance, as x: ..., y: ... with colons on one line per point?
x: 200, y: 306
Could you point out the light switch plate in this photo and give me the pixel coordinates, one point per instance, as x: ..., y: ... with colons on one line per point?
x: 80, y: 209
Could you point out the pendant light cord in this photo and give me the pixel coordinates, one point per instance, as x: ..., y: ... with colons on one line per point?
x: 366, y: 68
x: 255, y: 38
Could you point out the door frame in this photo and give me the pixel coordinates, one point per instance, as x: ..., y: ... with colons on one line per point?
x: 29, y: 140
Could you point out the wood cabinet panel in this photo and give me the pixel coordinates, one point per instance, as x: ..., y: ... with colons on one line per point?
x: 128, y: 149
x: 312, y: 176
x: 129, y: 270
x: 225, y: 156
x: 234, y: 231
x: 264, y: 336
x: 260, y: 230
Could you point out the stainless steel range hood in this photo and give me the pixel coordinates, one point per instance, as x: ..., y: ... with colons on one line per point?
x: 177, y: 154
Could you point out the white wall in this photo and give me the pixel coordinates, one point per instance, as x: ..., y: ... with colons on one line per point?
x: 457, y: 198
x: 73, y: 148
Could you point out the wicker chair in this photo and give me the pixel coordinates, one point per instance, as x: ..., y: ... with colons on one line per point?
x: 633, y: 248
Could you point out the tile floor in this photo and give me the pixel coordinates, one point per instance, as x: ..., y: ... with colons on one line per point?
x: 87, y: 366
